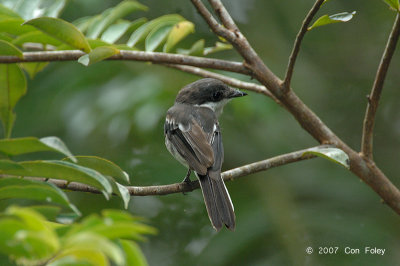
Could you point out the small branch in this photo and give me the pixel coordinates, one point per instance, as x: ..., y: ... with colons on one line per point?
x: 212, y: 22
x: 228, y: 80
x: 223, y: 14
x: 155, y: 57
x: 297, y: 43
x: 229, y: 175
x: 373, y: 99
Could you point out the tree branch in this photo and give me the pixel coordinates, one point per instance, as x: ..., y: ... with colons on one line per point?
x: 184, y: 187
x: 297, y: 43
x: 373, y: 99
x: 155, y: 57
x: 365, y: 170
x: 228, y: 80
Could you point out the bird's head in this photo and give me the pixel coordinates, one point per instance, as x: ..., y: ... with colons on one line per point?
x: 208, y: 92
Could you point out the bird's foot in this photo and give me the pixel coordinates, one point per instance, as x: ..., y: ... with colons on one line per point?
x: 187, y: 180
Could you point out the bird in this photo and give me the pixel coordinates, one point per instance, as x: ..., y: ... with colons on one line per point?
x: 193, y: 136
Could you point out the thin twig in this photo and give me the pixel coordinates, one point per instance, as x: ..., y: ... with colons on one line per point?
x: 223, y: 15
x: 229, y: 175
x: 297, y: 43
x: 212, y: 22
x: 373, y: 99
x: 156, y: 57
x: 228, y: 80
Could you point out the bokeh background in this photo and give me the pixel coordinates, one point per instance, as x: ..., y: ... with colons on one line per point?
x: 116, y: 110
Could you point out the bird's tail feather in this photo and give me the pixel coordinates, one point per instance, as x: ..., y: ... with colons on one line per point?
x: 218, y: 202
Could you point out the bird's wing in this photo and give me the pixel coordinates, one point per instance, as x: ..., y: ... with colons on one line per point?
x: 191, y: 142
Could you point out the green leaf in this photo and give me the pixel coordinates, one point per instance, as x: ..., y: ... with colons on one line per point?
x: 7, y: 48
x: 83, y: 23
x: 61, y: 30
x: 394, y: 4
x: 8, y: 12
x: 111, y: 15
x: 197, y: 49
x: 87, y: 241
x: 16, y: 188
x: 5, y: 37
x: 340, y: 17
x: 29, y: 9
x: 113, y: 225
x: 141, y: 33
x: 157, y: 36
x: 14, y: 26
x: 104, y: 166
x: 333, y: 154
x: 178, y: 32
x: 65, y: 171
x: 94, y: 43
x: 219, y: 46
x: 97, y: 55
x: 52, y: 8
x: 32, y: 68
x: 116, y: 31
x: 19, y: 146
x: 9, y: 165
x: 133, y: 253
x: 12, y: 88
x: 25, y: 236
x: 36, y: 37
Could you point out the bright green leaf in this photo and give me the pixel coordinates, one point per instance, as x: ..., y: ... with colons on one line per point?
x: 16, y: 188
x: 133, y: 253
x: 394, y: 4
x: 25, y: 236
x: 197, y: 49
x: 61, y: 30
x: 32, y: 68
x: 178, y: 32
x: 94, y: 43
x: 12, y: 88
x: 90, y: 241
x: 116, y: 31
x: 36, y: 37
x: 157, y: 36
x: 104, y: 166
x: 340, y: 17
x: 25, y: 145
x: 97, y: 55
x: 141, y: 33
x: 14, y: 26
x: 333, y: 154
x: 7, y: 48
x: 8, y: 12
x: 111, y: 15
x: 219, y: 46
x: 5, y: 37
x: 65, y: 171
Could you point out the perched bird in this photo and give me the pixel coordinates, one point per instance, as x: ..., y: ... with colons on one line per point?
x: 193, y: 137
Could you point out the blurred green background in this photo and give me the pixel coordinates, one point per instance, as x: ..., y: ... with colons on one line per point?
x: 116, y: 110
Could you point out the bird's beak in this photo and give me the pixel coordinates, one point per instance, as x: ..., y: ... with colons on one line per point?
x: 237, y: 93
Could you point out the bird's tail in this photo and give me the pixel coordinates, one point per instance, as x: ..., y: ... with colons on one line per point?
x: 218, y: 202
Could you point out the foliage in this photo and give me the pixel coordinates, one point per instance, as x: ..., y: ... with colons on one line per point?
x: 34, y: 24
x: 28, y: 238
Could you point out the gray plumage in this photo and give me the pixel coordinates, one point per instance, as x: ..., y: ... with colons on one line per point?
x: 193, y: 136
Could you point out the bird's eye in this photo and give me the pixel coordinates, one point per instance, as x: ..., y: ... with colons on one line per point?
x: 217, y: 96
